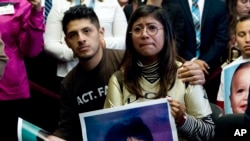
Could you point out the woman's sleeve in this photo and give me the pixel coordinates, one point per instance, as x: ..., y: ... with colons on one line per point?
x: 198, y: 129
x: 54, y: 36
x: 119, y: 29
x: 199, y: 124
x: 114, y: 97
x: 31, y: 35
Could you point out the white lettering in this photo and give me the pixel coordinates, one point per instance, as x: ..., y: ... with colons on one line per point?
x: 100, y: 91
x: 243, y: 131
x: 106, y: 90
x: 79, y: 100
x: 92, y: 95
x: 85, y: 95
x: 237, y: 132
x: 240, y: 132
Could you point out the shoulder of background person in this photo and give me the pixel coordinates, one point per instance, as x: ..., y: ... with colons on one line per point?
x: 62, y: 5
x: 171, y: 7
x: 109, y: 2
x: 128, y: 10
x: 128, y: 7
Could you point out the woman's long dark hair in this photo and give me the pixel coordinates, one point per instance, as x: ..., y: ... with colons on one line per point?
x: 167, y: 57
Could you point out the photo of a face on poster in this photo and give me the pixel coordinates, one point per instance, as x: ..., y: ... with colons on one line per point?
x: 236, y: 86
x: 145, y: 121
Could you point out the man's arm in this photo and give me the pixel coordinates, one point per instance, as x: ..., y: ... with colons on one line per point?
x: 68, y: 121
x: 218, y: 46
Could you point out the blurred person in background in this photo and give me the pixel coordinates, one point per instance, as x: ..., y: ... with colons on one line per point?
x: 242, y: 36
x: 236, y: 9
x: 205, y: 38
x: 21, y: 31
x: 3, y: 58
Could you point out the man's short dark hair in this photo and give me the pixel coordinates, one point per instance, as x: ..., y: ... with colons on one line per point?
x: 79, y: 12
x: 242, y: 19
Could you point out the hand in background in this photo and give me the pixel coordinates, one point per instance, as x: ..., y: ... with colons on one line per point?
x: 204, y: 66
x: 3, y: 58
x: 191, y: 72
x: 53, y: 138
x: 36, y: 4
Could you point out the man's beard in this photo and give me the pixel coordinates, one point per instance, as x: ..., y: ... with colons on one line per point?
x: 85, y: 59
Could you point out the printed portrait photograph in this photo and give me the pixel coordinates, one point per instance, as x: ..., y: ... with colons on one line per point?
x: 237, y: 82
x: 145, y: 121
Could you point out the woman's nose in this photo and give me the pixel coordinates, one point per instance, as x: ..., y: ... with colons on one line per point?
x: 144, y: 32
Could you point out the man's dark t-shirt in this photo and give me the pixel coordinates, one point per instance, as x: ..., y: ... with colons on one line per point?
x: 84, y: 91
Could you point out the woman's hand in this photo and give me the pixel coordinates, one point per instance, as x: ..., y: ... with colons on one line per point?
x: 178, y: 110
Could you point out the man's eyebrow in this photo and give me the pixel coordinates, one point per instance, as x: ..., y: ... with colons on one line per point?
x: 73, y: 31
x: 240, y: 31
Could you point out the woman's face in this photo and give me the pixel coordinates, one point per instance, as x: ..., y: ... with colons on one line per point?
x: 243, y: 7
x: 240, y: 89
x: 148, y: 38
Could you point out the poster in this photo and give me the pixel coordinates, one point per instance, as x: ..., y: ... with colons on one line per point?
x: 155, y: 114
x: 242, y: 89
x: 30, y: 132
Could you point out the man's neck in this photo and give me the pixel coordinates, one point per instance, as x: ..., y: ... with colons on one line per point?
x: 245, y: 56
x: 92, y: 62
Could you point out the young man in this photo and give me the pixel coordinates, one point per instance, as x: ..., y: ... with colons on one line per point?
x: 84, y: 88
x: 227, y: 125
x: 243, y: 40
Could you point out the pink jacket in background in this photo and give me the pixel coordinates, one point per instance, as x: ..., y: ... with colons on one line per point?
x: 22, y: 34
